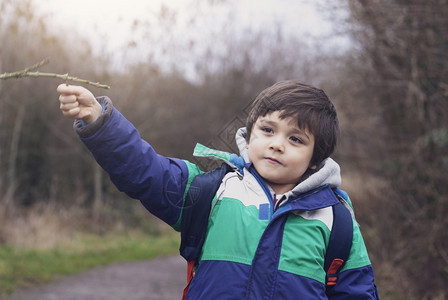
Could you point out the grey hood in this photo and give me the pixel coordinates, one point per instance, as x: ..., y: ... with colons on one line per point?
x: 328, y: 172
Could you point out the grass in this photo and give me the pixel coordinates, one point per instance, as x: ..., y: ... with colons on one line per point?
x: 22, y: 267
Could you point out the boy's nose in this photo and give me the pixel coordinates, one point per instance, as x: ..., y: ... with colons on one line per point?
x: 277, y: 145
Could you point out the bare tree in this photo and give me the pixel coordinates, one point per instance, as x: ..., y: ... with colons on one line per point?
x: 405, y: 45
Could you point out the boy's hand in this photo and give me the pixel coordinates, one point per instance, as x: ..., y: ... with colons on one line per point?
x: 78, y: 102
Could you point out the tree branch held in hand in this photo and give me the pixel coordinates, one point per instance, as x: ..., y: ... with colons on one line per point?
x: 30, y: 72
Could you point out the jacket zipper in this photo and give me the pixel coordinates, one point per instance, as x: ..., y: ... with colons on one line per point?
x: 265, y: 189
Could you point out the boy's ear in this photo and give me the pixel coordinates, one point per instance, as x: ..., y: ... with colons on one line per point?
x: 313, y: 167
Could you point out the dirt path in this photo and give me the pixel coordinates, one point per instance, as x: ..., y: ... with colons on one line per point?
x: 161, y: 279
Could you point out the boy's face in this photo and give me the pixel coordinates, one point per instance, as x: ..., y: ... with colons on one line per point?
x: 280, y: 151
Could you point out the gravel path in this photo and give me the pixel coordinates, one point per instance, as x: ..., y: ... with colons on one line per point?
x: 160, y: 279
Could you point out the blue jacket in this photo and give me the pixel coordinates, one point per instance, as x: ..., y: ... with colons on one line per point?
x: 253, y: 249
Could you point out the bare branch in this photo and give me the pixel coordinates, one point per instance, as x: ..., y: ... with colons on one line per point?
x: 37, y: 66
x: 30, y: 72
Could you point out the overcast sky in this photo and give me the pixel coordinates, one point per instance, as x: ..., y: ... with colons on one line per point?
x: 108, y: 23
x: 112, y: 18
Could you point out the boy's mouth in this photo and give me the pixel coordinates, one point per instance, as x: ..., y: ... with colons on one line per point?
x: 272, y: 160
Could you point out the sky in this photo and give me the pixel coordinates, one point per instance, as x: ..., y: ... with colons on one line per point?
x: 113, y: 17
x: 110, y: 22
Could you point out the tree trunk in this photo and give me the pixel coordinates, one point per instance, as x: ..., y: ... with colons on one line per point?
x: 13, y: 153
x: 2, y: 178
x: 98, y: 190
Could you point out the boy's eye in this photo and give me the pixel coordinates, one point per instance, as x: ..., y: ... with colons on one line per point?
x: 295, y: 139
x: 267, y: 129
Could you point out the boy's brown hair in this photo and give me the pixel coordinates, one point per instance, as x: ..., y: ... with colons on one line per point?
x: 310, y: 106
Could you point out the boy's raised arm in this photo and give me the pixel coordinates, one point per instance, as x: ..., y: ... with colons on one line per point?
x: 132, y: 164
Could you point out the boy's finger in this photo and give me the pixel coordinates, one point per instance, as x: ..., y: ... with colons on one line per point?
x: 67, y: 98
x: 74, y: 111
x: 65, y: 89
x: 68, y: 105
x: 71, y: 113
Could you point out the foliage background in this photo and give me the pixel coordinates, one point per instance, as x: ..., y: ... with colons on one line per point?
x: 390, y: 87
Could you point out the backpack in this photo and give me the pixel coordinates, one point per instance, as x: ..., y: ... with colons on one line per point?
x: 196, y: 213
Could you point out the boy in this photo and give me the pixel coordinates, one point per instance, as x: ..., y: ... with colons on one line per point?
x: 270, y: 219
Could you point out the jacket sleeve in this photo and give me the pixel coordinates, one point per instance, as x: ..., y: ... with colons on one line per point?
x: 355, y: 284
x: 135, y: 168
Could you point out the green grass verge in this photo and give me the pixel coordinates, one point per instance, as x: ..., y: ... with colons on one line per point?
x: 26, y: 267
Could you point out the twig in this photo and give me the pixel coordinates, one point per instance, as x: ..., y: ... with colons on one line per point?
x: 30, y: 72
